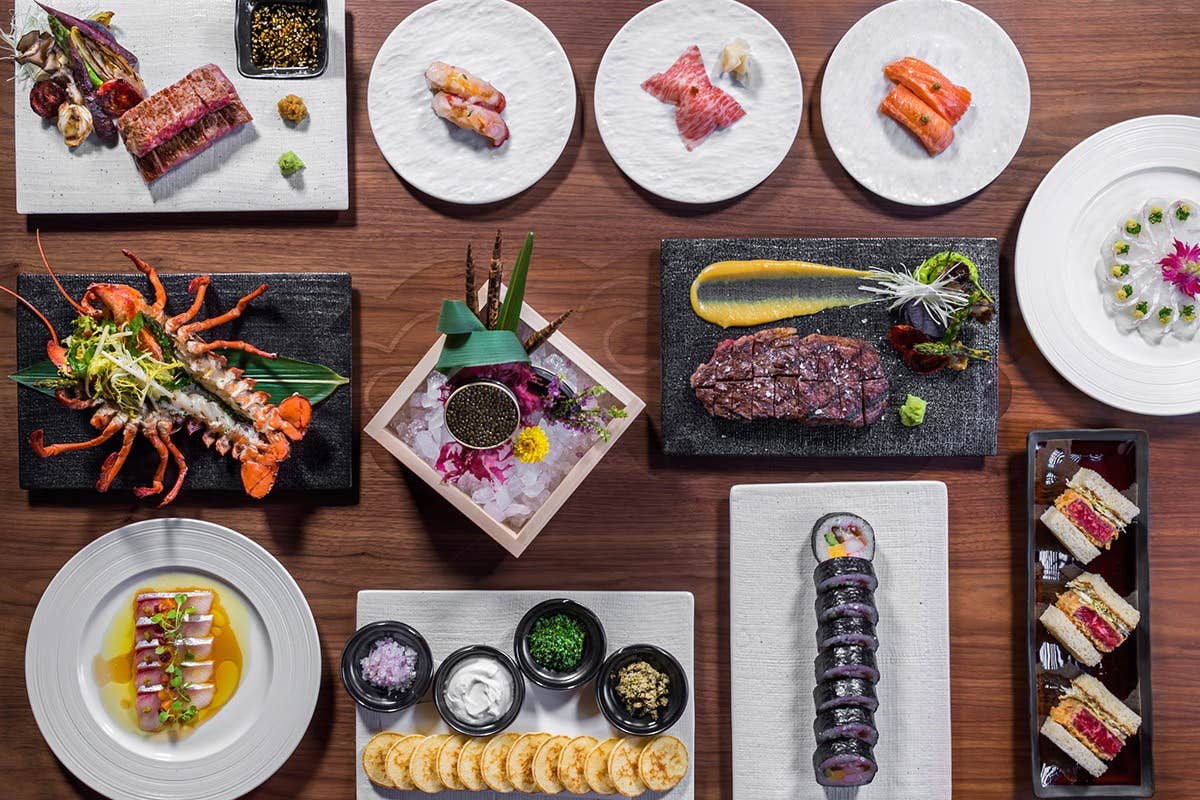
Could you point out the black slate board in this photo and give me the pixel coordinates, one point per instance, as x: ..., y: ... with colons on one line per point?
x: 304, y: 316
x: 962, y: 415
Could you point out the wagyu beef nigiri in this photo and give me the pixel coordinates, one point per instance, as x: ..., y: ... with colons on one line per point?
x: 700, y: 107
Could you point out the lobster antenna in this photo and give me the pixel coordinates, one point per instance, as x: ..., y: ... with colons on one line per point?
x: 75, y: 305
x: 33, y: 308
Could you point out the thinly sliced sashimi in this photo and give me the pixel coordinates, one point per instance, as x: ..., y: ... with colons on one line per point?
x: 193, y: 625
x: 484, y: 121
x: 147, y: 603
x: 688, y: 70
x: 199, y: 648
x: 192, y: 672
x: 934, y: 88
x: 443, y: 77
x: 702, y: 110
x: 150, y: 699
x: 930, y: 128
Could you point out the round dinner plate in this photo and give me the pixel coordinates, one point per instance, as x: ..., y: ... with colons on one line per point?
x: 1079, y: 203
x: 242, y: 743
x: 639, y: 130
x: 969, y: 48
x: 503, y: 44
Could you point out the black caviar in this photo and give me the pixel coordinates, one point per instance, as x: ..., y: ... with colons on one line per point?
x: 483, y: 414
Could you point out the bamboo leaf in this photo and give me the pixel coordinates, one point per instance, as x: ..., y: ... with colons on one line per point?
x: 280, y: 377
x: 457, y: 317
x: 479, y: 349
x: 510, y: 312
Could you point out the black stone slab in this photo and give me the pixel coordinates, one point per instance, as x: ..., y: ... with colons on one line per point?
x: 961, y: 420
x: 303, y: 316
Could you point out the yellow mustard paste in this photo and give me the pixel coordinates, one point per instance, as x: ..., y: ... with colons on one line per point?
x: 742, y: 293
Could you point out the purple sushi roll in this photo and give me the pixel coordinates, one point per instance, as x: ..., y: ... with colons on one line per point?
x: 842, y: 631
x: 846, y: 662
x: 847, y: 601
x: 844, y: 762
x: 848, y: 571
x: 846, y: 723
x: 845, y: 693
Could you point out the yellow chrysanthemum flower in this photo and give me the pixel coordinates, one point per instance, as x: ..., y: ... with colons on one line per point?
x: 531, y: 445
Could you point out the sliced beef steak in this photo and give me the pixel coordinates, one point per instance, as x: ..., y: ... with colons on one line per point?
x: 775, y: 374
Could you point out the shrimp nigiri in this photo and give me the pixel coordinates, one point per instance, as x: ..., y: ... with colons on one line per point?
x: 934, y: 88
x: 443, y: 77
x: 930, y: 128
x: 472, y: 117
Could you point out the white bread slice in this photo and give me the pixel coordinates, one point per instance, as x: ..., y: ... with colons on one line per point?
x: 1065, y: 631
x: 1100, y: 588
x: 1072, y: 538
x: 1098, y: 692
x: 1116, y: 502
x: 1073, y: 747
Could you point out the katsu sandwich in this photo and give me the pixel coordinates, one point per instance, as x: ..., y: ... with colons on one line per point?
x: 1090, y: 724
x: 1089, y: 516
x: 1090, y: 619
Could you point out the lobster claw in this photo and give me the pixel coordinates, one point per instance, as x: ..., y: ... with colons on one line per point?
x: 258, y: 477
x: 297, y: 413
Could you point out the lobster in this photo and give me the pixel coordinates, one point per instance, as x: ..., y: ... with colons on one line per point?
x: 192, y: 385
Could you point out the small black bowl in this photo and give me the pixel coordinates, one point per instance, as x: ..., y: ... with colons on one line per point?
x: 595, y: 645
x: 368, y: 695
x: 614, y: 708
x: 439, y: 690
x: 241, y: 34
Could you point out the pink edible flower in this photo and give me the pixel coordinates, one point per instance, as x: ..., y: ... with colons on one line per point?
x: 454, y: 461
x: 1182, y: 268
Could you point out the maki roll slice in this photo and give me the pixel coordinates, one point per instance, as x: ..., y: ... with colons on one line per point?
x: 844, y: 762
x: 847, y: 631
x: 845, y: 693
x: 847, y: 662
x: 846, y: 723
x: 847, y: 601
x: 848, y: 571
x: 842, y: 534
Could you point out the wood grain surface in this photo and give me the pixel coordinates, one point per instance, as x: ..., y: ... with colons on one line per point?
x: 641, y: 520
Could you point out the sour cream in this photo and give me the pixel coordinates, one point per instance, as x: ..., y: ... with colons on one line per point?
x: 479, y: 690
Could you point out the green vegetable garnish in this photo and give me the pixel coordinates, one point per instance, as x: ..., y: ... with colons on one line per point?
x: 912, y: 413
x: 1140, y: 309
x: 289, y: 164
x: 1133, y: 227
x: 1121, y: 248
x: 1156, y: 215
x: 1164, y: 315
x: 556, y: 642
x: 1187, y: 313
x: 1120, y: 270
x: 1183, y: 212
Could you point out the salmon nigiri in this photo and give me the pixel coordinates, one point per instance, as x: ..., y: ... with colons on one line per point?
x: 481, y: 120
x: 934, y: 88
x: 930, y: 127
x: 443, y: 77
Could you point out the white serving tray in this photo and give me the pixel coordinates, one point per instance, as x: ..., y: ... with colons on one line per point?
x: 772, y: 640
x: 239, y: 172
x: 453, y: 619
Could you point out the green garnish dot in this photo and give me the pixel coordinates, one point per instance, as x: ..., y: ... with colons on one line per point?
x: 912, y: 413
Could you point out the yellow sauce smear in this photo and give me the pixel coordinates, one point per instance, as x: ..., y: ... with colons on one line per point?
x: 114, y: 669
x: 743, y: 293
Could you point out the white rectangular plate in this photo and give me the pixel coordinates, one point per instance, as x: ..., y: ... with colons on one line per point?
x: 238, y: 173
x: 450, y: 620
x: 773, y: 637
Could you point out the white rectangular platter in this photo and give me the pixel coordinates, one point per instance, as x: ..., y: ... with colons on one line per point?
x: 452, y: 619
x: 238, y: 173
x: 773, y: 637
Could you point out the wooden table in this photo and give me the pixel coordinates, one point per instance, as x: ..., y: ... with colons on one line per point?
x: 1090, y: 65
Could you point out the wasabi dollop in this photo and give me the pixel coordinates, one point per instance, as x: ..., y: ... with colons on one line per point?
x: 912, y: 413
x: 289, y: 164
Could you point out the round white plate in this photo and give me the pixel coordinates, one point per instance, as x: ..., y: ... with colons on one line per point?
x: 970, y: 49
x: 639, y: 130
x: 503, y: 44
x: 245, y: 741
x: 1081, y: 201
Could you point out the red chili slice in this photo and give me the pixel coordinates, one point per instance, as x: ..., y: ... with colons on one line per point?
x: 1097, y: 527
x: 1099, y: 627
x: 1095, y: 732
x: 905, y: 338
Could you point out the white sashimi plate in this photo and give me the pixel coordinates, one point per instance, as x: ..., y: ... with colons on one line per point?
x: 452, y: 619
x: 639, y: 130
x: 1080, y: 203
x: 239, y: 172
x: 246, y: 740
x: 501, y: 43
x: 969, y: 48
x: 772, y: 640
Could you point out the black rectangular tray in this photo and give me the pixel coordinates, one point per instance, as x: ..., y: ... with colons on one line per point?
x: 1123, y: 458
x: 963, y: 406
x: 302, y: 315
